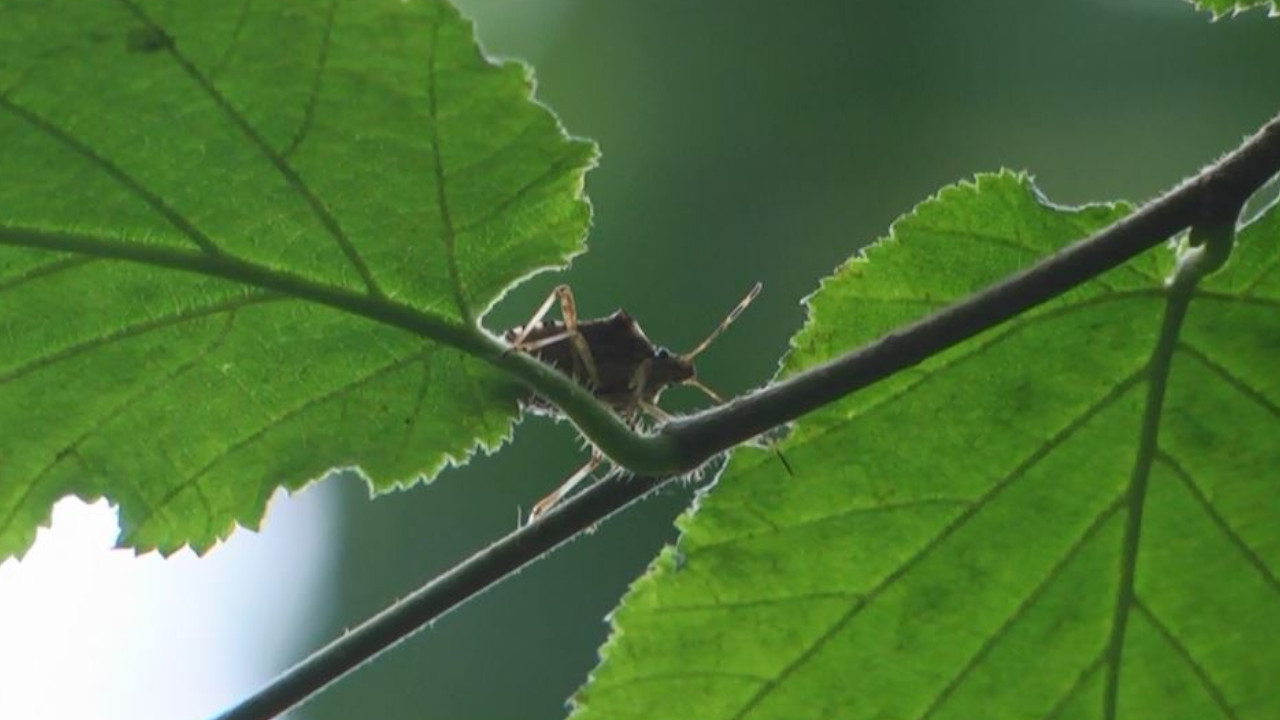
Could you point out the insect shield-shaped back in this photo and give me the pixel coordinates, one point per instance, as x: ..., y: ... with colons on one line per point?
x: 611, y: 356
x: 628, y: 366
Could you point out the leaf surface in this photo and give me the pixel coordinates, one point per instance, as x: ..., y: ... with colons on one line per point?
x: 1220, y: 8
x: 363, y: 150
x: 953, y: 541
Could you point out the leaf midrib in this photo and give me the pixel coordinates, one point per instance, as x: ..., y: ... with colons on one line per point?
x: 465, y: 337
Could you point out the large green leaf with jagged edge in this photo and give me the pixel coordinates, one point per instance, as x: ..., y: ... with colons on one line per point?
x: 1233, y: 7
x: 363, y: 146
x: 953, y: 539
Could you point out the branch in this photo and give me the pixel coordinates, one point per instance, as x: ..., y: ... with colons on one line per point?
x: 1211, y: 198
x: 437, y: 597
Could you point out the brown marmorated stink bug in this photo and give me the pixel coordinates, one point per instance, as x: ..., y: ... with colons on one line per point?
x: 612, y: 357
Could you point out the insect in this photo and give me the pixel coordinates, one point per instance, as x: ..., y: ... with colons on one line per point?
x: 615, y: 360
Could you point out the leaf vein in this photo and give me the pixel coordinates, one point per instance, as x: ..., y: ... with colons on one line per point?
x: 242, y: 19
x: 755, y: 603
x: 1058, y: 438
x: 837, y: 515
x: 424, y: 386
x: 322, y: 60
x: 132, y: 331
x: 1081, y: 680
x: 1230, y: 378
x: 1010, y: 329
x: 1247, y: 552
x: 982, y: 236
x: 1236, y: 299
x: 472, y: 388
x: 1262, y: 275
x: 1202, y: 675
x: 281, y: 164
x: 130, y: 183
x: 1023, y: 607
x: 1014, y: 244
x: 553, y: 172
x: 73, y: 447
x: 447, y: 236
x: 312, y: 402
x: 41, y: 271
x: 676, y: 676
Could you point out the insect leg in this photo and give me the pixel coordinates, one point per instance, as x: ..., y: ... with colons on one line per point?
x: 542, y: 311
x: 569, y: 310
x: 566, y: 487
x: 639, y: 379
x: 655, y: 412
x: 549, y: 340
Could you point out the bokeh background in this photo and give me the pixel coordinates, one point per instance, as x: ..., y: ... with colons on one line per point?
x: 742, y: 141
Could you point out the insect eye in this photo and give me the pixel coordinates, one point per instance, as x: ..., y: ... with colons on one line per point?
x: 663, y: 354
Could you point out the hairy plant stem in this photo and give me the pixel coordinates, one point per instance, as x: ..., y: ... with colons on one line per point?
x: 1211, y: 201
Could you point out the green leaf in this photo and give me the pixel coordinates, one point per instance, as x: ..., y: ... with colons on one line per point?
x: 315, y: 164
x: 953, y: 541
x: 1220, y: 8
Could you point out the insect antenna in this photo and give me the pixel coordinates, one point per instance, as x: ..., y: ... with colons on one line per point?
x: 733, y: 315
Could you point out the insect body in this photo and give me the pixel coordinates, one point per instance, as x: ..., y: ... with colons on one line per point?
x: 613, y: 358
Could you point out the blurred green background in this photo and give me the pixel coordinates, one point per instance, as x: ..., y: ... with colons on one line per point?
x: 751, y: 141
